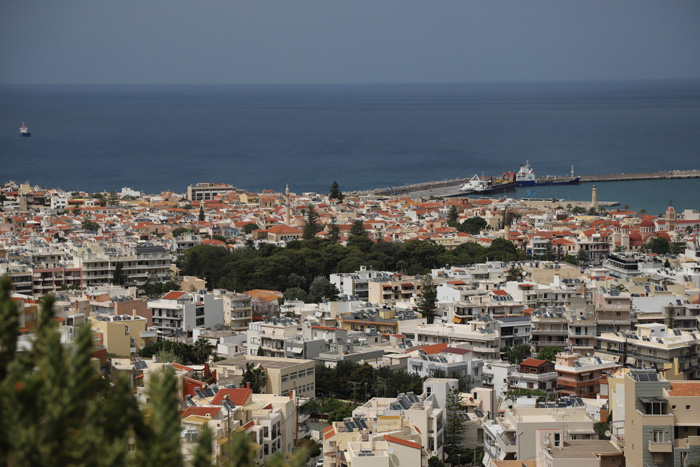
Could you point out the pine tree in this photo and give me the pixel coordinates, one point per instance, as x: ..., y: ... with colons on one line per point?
x: 428, y: 298
x: 336, y: 193
x: 358, y: 229
x: 333, y: 231
x: 312, y: 224
x: 453, y: 216
x: 202, y: 453
x: 454, y: 424
x: 201, y: 213
x: 670, y: 317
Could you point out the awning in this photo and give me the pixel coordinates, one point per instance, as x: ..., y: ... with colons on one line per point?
x: 298, y: 351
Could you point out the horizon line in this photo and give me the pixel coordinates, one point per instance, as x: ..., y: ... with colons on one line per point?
x: 367, y: 83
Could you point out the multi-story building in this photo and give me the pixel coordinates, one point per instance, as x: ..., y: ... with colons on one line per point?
x: 451, y: 362
x: 580, y: 376
x: 178, y: 313
x: 139, y: 264
x: 653, y: 346
x: 422, y: 411
x: 513, y: 435
x: 660, y: 424
x: 550, y: 328
x: 480, y: 335
x: 238, y: 309
x: 395, y: 288
x: 612, y: 310
x: 515, y: 330
x: 582, y: 330
x: 283, y: 374
x: 356, y: 284
x: 122, y: 335
x: 267, y: 337
x: 207, y: 191
x: 385, y: 320
x: 534, y: 374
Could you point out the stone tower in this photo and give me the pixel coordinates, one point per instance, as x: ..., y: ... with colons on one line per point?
x: 594, y: 202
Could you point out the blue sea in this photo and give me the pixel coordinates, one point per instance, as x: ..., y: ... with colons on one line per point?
x: 155, y: 138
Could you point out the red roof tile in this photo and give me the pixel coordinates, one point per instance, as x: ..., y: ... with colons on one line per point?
x: 237, y: 396
x: 173, y: 295
x: 403, y: 442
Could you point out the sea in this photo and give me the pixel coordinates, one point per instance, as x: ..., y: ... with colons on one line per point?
x: 154, y: 138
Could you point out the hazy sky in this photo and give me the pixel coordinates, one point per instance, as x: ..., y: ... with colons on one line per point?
x: 349, y: 41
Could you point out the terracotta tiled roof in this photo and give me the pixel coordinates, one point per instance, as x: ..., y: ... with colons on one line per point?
x: 403, y: 442
x: 173, y: 295
x: 237, y: 396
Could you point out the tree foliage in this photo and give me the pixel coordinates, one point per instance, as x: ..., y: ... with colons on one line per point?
x: 427, y: 301
x: 454, y: 424
x: 58, y: 410
x: 312, y: 222
x: 658, y: 245
x: 256, y: 376
x: 548, y: 353
x: 271, y: 267
x: 473, y: 225
x: 335, y: 192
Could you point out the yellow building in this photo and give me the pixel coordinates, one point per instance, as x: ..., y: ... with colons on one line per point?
x: 122, y: 335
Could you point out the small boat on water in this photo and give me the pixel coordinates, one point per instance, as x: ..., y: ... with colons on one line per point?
x: 24, y: 131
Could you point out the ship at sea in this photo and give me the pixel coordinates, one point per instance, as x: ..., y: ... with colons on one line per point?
x: 24, y: 131
x: 526, y: 177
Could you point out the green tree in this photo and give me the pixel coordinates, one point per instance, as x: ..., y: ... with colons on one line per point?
x: 201, y: 213
x: 600, y: 429
x: 58, y: 410
x: 179, y: 231
x: 202, y: 349
x: 322, y: 288
x: 582, y: 256
x: 335, y: 193
x: 358, y: 228
x: 333, y: 231
x: 670, y: 317
x: 570, y: 259
x: 90, y: 226
x: 516, y: 354
x: 548, y: 353
x: 295, y: 293
x: 435, y: 461
x: 658, y: 245
x: 453, y: 216
x: 312, y: 222
x: 454, y: 424
x: 248, y: 228
x: 256, y: 376
x: 427, y: 301
x: 119, y: 277
x: 514, y: 273
x: 473, y: 225
x: 202, y: 453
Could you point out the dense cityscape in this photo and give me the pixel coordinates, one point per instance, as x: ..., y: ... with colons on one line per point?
x: 239, y: 328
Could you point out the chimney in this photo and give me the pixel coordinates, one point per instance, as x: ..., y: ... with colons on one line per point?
x: 291, y: 394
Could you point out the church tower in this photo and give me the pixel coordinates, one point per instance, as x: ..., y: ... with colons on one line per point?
x: 670, y: 219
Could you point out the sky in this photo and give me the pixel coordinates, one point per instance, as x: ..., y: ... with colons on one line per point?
x: 350, y: 41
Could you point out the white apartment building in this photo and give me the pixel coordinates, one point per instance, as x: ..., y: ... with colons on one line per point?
x: 178, y: 313
x: 238, y: 309
x: 268, y: 337
x: 139, y: 264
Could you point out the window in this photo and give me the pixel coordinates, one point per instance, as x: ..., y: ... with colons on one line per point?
x: 687, y: 407
x: 673, y: 407
x: 658, y: 436
x: 126, y: 330
x: 557, y: 440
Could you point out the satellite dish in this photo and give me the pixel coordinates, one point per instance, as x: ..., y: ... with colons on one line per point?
x: 607, y: 433
x: 546, y: 440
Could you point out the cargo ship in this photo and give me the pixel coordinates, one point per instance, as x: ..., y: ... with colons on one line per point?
x: 526, y: 177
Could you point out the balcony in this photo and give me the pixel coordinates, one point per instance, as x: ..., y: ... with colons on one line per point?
x: 660, y: 446
x: 550, y: 332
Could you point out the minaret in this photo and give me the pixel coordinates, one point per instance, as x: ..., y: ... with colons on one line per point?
x: 670, y: 219
x: 286, y: 213
x: 595, y: 197
x: 506, y: 224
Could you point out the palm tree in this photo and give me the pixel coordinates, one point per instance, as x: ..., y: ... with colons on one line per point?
x: 202, y: 349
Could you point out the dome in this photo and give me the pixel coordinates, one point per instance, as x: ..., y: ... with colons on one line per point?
x: 647, y: 223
